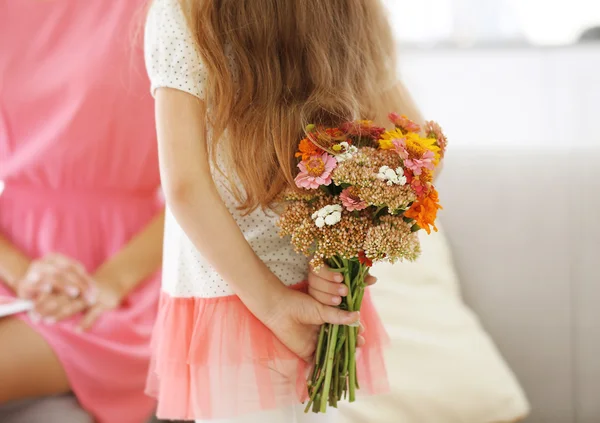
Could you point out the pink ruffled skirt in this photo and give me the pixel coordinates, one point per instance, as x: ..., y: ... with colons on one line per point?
x: 212, y: 359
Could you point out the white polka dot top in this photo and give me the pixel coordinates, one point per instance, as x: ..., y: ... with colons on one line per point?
x: 173, y: 61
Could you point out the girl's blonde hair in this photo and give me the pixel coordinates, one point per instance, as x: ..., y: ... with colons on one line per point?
x: 276, y: 65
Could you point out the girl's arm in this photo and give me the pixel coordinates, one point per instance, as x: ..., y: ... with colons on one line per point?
x: 193, y: 198
x: 13, y: 263
x: 292, y: 316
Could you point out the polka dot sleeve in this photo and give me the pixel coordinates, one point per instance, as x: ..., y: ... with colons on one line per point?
x: 172, y: 58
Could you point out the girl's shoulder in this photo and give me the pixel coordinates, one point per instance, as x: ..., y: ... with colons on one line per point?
x: 171, y: 55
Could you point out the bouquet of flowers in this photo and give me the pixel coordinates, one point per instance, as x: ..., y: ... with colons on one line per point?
x: 362, y: 194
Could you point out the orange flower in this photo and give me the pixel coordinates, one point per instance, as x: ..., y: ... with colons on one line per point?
x: 426, y: 176
x: 424, y: 211
x: 307, y: 149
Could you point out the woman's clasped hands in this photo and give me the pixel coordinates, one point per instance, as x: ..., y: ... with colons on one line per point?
x: 60, y: 287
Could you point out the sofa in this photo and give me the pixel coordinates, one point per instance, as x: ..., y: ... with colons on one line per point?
x: 525, y: 237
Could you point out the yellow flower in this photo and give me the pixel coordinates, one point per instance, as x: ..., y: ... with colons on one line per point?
x: 385, y: 142
x: 416, y: 146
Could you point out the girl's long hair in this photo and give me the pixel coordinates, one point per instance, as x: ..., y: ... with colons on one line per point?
x: 275, y: 65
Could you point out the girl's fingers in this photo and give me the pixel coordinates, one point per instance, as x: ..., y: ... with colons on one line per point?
x: 327, y: 274
x: 323, y: 285
x: 335, y: 316
x: 370, y: 280
x: 324, y: 297
x: 360, y: 341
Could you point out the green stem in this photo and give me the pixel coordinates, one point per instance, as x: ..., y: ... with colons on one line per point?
x: 317, y: 403
x: 336, y: 382
x: 352, y: 366
x: 318, y: 352
x: 347, y: 355
x: 359, y: 297
x: 337, y: 262
x: 348, y: 283
x: 377, y: 211
x: 329, y: 366
x: 341, y: 342
x: 315, y: 392
x: 343, y: 376
x: 351, y: 337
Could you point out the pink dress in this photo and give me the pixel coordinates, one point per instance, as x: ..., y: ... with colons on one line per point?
x: 79, y: 160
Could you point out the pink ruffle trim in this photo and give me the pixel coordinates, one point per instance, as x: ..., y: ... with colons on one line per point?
x: 213, y: 359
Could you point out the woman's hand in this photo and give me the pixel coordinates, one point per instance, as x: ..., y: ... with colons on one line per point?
x: 326, y: 287
x: 296, y: 317
x: 107, y: 295
x: 55, y: 273
x: 54, y: 307
x: 59, y: 286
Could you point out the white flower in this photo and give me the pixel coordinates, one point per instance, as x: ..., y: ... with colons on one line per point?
x: 320, y: 222
x: 391, y: 176
x: 347, y: 152
x: 328, y: 215
x: 333, y: 218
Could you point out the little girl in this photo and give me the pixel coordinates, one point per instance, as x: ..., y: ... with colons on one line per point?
x: 235, y: 83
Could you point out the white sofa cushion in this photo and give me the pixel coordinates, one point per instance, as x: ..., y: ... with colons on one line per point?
x: 443, y: 367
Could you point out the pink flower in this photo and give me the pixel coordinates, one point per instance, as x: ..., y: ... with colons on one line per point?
x: 400, y: 147
x: 433, y: 130
x: 315, y: 171
x: 419, y: 186
x: 403, y: 123
x: 351, y: 200
x: 416, y: 165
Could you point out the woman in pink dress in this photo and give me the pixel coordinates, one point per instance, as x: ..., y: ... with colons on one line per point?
x: 80, y: 217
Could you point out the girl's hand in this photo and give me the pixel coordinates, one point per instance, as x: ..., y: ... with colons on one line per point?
x: 326, y: 287
x: 54, y: 273
x: 295, y: 320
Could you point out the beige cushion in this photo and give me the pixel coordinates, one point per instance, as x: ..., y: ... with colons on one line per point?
x: 443, y: 367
